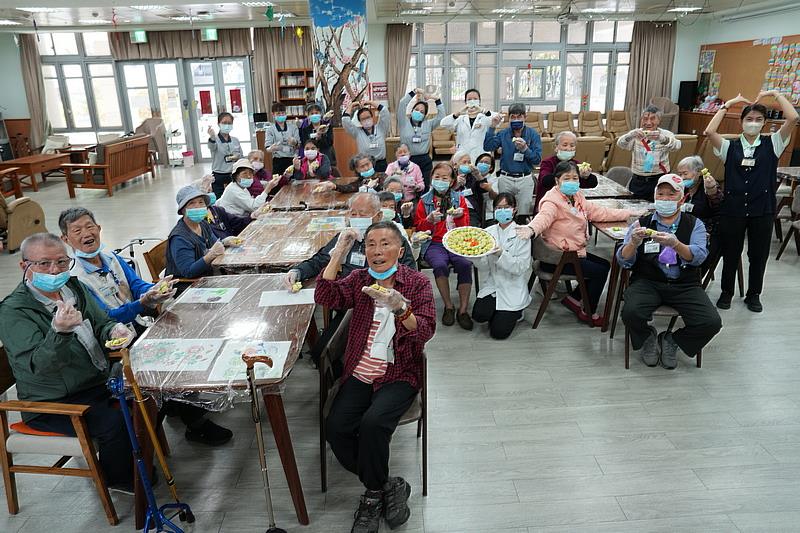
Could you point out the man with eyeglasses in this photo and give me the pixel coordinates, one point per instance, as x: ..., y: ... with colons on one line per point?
x: 55, y: 335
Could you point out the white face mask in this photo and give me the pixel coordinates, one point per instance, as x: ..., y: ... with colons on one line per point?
x: 474, y: 103
x: 752, y: 128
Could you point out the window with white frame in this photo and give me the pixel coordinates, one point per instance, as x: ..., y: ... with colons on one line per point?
x: 546, y: 65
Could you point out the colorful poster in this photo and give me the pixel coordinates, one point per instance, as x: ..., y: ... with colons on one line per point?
x: 236, y: 100
x: 326, y: 224
x: 713, y: 86
x: 379, y: 91
x: 174, y: 355
x: 706, y: 61
x: 218, y: 295
x: 282, y: 298
x: 205, y: 103
x: 230, y: 367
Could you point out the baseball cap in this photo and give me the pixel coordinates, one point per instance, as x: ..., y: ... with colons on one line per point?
x: 187, y: 194
x: 673, y: 180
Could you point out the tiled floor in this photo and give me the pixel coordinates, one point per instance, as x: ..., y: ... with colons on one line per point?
x: 545, y: 432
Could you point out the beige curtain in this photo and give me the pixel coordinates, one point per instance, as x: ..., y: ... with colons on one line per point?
x: 272, y: 51
x: 185, y: 44
x: 34, y: 88
x: 650, y: 74
x: 398, y: 55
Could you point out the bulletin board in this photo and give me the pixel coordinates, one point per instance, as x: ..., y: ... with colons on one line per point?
x: 743, y: 66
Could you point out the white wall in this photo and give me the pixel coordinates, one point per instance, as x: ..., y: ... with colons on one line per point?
x: 12, y: 96
x: 376, y: 54
x: 690, y: 38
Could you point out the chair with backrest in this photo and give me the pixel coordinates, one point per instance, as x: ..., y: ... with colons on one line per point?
x: 592, y: 150
x: 688, y: 147
x: 9, y: 182
x: 591, y: 123
x: 442, y: 141
x: 621, y: 175
x: 548, y: 146
x: 713, y: 163
x: 329, y: 387
x: 558, y: 121
x: 534, y: 119
x: 19, y: 219
x: 793, y: 214
x: 20, y: 438
x: 618, y: 157
x: 669, y: 112
x: 542, y: 253
x: 116, y: 162
x: 617, y: 123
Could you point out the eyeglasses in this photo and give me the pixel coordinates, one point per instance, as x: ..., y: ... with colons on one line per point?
x: 63, y: 264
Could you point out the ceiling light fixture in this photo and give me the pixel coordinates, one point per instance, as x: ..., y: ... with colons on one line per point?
x: 687, y: 9
x: 94, y: 21
x: 422, y: 11
x: 257, y: 4
x: 505, y: 10
x: 36, y: 9
x: 148, y: 8
x: 6, y: 22
x: 599, y: 10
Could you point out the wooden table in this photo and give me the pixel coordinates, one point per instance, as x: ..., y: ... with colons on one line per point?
x: 241, y: 318
x: 9, y: 182
x: 789, y: 173
x: 278, y: 241
x: 607, y: 188
x: 35, y: 164
x: 297, y: 195
x: 78, y: 153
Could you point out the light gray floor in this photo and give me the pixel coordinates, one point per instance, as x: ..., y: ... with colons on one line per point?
x: 544, y: 432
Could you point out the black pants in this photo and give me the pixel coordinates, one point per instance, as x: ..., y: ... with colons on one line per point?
x: 280, y: 164
x: 595, y: 272
x: 731, y: 234
x: 105, y: 424
x: 360, y: 427
x: 221, y: 180
x: 714, y: 252
x: 426, y: 166
x: 700, y: 316
x: 380, y: 165
x: 501, y: 323
x: 644, y: 187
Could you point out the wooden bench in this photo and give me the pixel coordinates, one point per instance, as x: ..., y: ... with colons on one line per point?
x: 117, y: 162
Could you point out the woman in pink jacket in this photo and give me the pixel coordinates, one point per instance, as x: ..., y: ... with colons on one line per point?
x: 563, y: 223
x: 409, y: 173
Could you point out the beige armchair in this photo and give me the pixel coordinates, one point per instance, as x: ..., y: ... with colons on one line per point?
x: 20, y: 218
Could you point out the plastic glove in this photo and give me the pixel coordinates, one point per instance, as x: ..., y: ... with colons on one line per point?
x: 328, y: 115
x: 406, y: 208
x: 420, y: 236
x: 666, y: 239
x: 324, y: 187
x: 371, y: 184
x: 215, y: 251
x: 461, y: 180
x: 434, y: 217
x: 456, y: 213
x: 274, y: 148
x: 638, y: 235
x: 205, y: 183
x: 389, y: 298
x: 345, y: 241
x: 232, y: 241
x: 67, y: 318
x: 291, y: 281
x: 525, y: 232
x: 709, y: 183
x: 496, y: 120
x: 121, y: 331
x: 159, y: 293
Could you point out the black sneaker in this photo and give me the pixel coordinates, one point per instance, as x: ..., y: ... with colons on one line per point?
x: 368, y: 515
x: 724, y: 301
x: 209, y: 433
x: 753, y: 303
x: 395, y: 497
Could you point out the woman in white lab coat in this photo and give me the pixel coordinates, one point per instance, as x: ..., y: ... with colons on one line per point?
x: 504, y: 274
x: 470, y: 124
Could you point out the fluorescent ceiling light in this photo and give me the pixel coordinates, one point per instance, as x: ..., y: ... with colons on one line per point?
x: 285, y: 15
x: 423, y: 11
x: 148, y: 7
x: 506, y: 10
x: 257, y: 4
x: 687, y: 9
x: 598, y: 10
x: 36, y: 9
x: 6, y: 22
x: 417, y: 1
x: 94, y: 21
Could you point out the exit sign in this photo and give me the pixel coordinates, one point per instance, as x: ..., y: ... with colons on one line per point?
x: 208, y: 34
x: 138, y: 36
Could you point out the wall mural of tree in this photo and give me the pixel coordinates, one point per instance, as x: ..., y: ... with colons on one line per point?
x: 340, y: 52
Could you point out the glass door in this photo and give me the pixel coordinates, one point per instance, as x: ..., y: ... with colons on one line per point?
x: 218, y: 85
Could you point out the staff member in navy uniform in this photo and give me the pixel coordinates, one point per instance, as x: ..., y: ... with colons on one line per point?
x: 751, y: 182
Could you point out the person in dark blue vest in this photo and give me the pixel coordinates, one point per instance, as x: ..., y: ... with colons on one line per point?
x: 664, y: 251
x: 751, y: 182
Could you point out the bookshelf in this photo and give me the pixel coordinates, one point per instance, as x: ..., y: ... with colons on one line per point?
x: 290, y: 84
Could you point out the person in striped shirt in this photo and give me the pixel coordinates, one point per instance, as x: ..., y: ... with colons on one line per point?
x: 383, y: 365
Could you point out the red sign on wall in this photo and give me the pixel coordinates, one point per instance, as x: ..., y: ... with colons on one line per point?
x: 205, y: 103
x: 236, y: 100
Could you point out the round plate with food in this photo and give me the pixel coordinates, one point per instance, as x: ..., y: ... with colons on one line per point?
x: 469, y: 242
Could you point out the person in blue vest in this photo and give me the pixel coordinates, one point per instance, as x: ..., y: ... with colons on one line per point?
x: 751, y: 182
x: 664, y: 251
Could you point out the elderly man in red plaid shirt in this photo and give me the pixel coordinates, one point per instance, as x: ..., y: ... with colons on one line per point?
x: 383, y: 365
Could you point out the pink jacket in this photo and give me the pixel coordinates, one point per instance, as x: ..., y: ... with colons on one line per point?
x: 412, y: 178
x: 564, y: 226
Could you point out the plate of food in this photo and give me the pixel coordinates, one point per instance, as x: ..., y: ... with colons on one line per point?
x: 469, y: 242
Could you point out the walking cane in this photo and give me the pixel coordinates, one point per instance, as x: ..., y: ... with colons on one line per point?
x: 250, y: 361
x: 185, y: 514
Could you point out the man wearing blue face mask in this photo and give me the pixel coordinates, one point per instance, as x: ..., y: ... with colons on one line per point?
x: 522, y: 149
x: 225, y: 150
x: 415, y: 128
x: 664, y: 252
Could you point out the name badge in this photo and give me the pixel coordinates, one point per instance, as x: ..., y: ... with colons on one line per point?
x: 467, y: 192
x: 312, y: 136
x: 519, y: 156
x: 748, y: 162
x: 687, y: 208
x: 416, y: 139
x: 652, y: 247
x: 358, y: 259
x: 230, y: 158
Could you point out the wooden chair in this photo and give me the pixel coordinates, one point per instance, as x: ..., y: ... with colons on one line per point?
x: 688, y: 147
x: 793, y: 214
x: 590, y: 123
x: 534, y: 119
x: 117, y: 162
x: 329, y: 387
x: 558, y: 121
x: 617, y: 157
x: 442, y: 141
x: 9, y: 183
x: 591, y: 150
x: 548, y: 146
x: 19, y: 219
x: 544, y: 254
x: 156, y: 260
x: 617, y: 123
x: 713, y: 163
x: 20, y: 438
x: 784, y: 208
x: 661, y: 311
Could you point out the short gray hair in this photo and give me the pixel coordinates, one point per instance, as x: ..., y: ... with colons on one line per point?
x: 693, y: 163
x: 371, y: 196
x: 358, y: 157
x: 458, y: 155
x: 564, y: 134
x: 390, y: 180
x: 654, y: 110
x: 47, y: 240
x: 73, y: 214
x: 517, y: 109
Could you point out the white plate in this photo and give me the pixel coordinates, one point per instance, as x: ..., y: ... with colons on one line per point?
x: 456, y: 230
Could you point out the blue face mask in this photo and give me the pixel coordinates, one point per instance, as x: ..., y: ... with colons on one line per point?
x: 196, y: 214
x: 225, y: 128
x: 504, y: 215
x: 517, y: 124
x: 245, y: 183
x: 360, y: 223
x: 687, y: 184
x: 368, y: 173
x: 483, y: 168
x: 417, y: 116
x: 316, y: 118
x: 383, y: 275
x: 88, y: 255
x: 464, y: 169
x: 212, y: 198
x: 397, y: 196
x: 666, y: 208
x: 569, y: 187
x: 49, y: 282
x: 565, y: 155
x: 440, y: 185
x: 280, y: 118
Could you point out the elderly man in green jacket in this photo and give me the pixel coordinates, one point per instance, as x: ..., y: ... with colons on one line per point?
x: 55, y: 333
